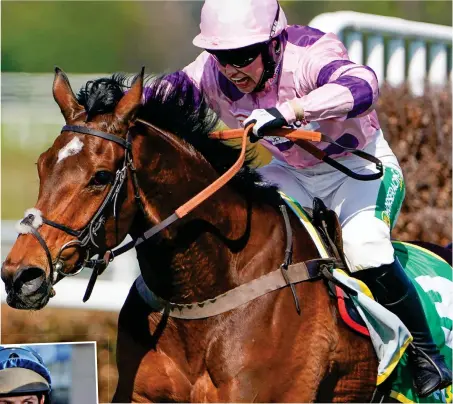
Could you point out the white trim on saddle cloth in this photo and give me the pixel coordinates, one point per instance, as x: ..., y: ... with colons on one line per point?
x: 388, y: 334
x: 390, y: 337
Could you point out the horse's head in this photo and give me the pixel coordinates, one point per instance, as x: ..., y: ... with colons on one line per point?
x: 85, y: 204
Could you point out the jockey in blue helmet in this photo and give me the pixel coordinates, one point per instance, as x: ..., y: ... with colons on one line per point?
x: 24, y: 378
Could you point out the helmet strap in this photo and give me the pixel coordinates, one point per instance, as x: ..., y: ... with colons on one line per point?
x: 269, y: 63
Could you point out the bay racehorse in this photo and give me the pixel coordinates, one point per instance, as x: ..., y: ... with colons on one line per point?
x: 261, y: 351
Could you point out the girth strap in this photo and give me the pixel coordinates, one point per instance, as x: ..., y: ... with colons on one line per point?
x: 236, y: 297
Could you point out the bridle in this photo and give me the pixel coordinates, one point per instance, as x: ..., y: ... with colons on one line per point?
x: 88, y: 237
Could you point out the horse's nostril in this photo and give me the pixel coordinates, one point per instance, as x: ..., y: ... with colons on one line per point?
x: 29, y: 280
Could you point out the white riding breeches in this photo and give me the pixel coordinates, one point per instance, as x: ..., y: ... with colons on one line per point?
x: 367, y: 210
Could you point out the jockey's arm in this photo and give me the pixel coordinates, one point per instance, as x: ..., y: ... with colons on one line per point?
x: 335, y: 87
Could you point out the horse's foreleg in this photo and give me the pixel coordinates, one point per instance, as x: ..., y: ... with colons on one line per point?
x: 129, y: 354
x: 146, y: 372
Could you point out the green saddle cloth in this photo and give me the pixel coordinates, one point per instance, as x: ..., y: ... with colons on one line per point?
x: 433, y: 279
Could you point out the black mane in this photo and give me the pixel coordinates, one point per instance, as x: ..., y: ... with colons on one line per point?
x: 174, y: 104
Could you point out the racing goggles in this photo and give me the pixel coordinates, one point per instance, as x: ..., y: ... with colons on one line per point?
x: 238, y: 58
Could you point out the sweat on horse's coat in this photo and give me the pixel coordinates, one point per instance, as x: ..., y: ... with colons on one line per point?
x: 236, y: 236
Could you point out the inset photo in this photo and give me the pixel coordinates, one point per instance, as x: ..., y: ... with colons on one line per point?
x: 53, y: 373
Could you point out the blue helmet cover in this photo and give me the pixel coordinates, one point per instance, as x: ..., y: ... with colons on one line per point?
x: 26, y: 358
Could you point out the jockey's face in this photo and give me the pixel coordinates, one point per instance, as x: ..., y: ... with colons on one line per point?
x: 22, y: 400
x: 243, y: 66
x: 244, y: 78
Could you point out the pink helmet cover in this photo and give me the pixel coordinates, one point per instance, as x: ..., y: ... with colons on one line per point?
x: 232, y: 24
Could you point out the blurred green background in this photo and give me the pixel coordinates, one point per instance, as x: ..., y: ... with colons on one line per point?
x: 106, y: 36
x: 88, y: 39
x: 102, y: 37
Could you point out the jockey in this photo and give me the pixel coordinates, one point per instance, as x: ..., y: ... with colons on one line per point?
x: 24, y: 377
x: 257, y: 69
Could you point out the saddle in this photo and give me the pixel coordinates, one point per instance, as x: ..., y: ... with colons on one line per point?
x: 328, y: 226
x: 424, y: 268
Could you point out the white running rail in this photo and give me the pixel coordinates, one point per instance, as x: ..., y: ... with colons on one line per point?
x: 397, y: 50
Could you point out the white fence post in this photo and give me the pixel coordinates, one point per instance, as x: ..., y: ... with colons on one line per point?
x: 354, y: 43
x: 389, y: 43
x: 438, y: 64
x: 375, y: 56
x: 417, y: 67
x: 396, y: 54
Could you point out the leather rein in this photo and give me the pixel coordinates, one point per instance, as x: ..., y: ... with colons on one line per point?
x: 88, y: 236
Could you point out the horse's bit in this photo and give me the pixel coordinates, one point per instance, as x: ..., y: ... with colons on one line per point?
x: 88, y: 236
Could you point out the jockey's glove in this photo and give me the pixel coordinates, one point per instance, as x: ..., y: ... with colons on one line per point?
x: 264, y: 119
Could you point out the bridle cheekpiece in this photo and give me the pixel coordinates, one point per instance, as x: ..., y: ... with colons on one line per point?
x: 88, y: 236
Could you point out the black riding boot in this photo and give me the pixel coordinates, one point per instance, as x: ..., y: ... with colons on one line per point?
x: 392, y: 288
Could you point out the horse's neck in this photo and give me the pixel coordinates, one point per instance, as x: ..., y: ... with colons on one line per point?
x: 214, y: 249
x: 221, y: 244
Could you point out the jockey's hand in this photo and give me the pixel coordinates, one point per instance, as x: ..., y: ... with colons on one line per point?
x: 264, y: 119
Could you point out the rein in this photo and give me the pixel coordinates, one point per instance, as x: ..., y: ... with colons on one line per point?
x: 302, y: 138
x: 88, y: 235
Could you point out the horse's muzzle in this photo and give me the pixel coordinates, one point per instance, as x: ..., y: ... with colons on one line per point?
x: 29, y: 289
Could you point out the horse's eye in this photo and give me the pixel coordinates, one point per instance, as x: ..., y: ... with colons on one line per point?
x: 102, y: 178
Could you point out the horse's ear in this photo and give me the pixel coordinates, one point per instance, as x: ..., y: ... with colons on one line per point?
x: 63, y: 95
x: 128, y: 105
